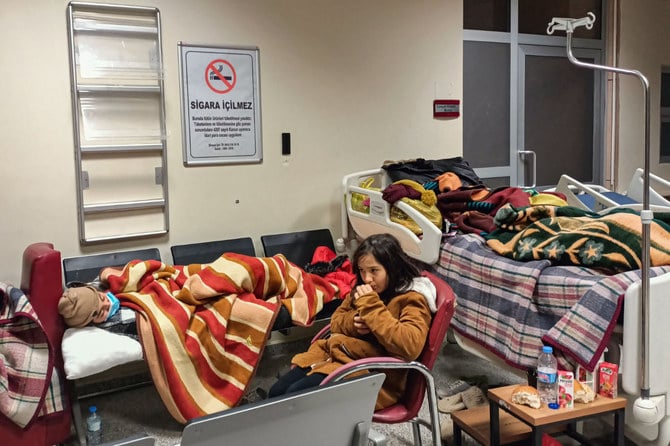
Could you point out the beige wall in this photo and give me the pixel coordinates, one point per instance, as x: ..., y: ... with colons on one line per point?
x: 644, y: 46
x: 353, y: 81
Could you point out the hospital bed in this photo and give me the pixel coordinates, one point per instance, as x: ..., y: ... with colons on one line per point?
x: 507, y: 309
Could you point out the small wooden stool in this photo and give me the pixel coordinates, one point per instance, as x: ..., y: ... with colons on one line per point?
x: 475, y: 422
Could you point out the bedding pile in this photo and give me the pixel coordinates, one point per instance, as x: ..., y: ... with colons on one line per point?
x: 511, y: 307
x: 459, y: 196
x: 204, y: 326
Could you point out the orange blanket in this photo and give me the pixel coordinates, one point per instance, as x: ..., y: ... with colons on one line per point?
x: 210, y: 322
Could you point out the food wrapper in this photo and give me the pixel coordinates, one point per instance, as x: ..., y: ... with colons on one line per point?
x: 566, y: 389
x: 608, y: 375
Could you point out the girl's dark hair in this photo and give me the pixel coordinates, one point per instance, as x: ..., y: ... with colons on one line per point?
x: 400, y: 268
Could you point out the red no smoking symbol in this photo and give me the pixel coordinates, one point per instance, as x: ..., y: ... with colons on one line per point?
x: 220, y: 76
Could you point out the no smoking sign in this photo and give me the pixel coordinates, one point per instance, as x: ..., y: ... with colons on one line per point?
x: 220, y: 97
x: 220, y: 76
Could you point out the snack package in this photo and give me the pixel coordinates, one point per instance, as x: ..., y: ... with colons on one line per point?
x: 566, y: 389
x: 608, y: 375
x: 585, y: 377
x: 583, y: 392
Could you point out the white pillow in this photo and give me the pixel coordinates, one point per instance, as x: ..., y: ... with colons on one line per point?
x: 90, y: 350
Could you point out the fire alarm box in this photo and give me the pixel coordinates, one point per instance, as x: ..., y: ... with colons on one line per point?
x: 446, y: 108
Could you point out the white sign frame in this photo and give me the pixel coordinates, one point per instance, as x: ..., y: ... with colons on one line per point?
x: 220, y: 104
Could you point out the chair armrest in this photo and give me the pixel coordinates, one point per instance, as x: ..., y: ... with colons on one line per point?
x: 378, y: 363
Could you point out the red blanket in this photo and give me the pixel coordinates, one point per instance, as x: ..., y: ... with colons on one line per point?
x: 210, y: 322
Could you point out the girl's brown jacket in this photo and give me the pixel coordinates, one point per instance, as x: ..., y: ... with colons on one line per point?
x: 398, y: 329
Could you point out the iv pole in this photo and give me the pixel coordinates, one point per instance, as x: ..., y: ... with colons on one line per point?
x: 644, y: 409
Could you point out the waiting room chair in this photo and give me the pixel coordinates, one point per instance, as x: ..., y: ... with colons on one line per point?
x: 298, y: 246
x: 207, y: 252
x: 87, y: 268
x: 42, y: 282
x: 420, y: 379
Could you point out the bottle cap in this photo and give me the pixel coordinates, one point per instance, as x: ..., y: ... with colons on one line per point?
x: 547, y: 349
x: 553, y: 405
x: 92, y: 409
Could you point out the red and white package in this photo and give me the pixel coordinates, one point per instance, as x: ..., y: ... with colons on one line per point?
x: 608, y: 375
x: 566, y: 389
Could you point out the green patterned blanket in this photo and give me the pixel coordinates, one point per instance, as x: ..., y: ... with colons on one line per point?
x: 567, y: 235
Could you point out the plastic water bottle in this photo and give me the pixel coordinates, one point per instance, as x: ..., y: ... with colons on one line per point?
x: 93, y: 426
x: 547, y: 371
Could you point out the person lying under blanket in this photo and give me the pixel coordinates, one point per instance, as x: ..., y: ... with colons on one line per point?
x: 204, y: 327
x: 92, y: 303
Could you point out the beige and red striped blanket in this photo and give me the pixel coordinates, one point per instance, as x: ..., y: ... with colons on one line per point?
x: 210, y: 322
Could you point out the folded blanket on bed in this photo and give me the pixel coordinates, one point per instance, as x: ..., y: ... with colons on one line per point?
x: 29, y: 385
x: 567, y: 235
x: 512, y: 307
x: 210, y: 322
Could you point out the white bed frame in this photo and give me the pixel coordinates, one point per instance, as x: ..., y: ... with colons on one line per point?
x: 358, y: 225
x: 657, y: 430
x: 605, y: 199
x: 425, y: 248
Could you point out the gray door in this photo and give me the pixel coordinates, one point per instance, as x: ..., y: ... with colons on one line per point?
x: 558, y: 116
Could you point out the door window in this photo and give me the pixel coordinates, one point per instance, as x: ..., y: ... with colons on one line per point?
x: 534, y: 15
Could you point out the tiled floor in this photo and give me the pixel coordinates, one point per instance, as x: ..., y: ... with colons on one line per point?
x: 141, y: 410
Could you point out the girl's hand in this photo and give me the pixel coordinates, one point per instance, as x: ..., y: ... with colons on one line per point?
x: 362, y: 290
x: 360, y: 326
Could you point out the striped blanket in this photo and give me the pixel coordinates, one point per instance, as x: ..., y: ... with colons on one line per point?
x: 209, y: 323
x: 511, y: 307
x: 26, y: 360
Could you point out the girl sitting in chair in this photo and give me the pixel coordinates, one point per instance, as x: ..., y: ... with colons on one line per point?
x: 387, y: 314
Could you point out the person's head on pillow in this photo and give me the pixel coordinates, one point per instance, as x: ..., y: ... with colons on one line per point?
x: 80, y: 306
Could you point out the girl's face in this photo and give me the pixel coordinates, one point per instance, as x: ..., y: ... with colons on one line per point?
x: 103, y: 308
x: 373, y: 273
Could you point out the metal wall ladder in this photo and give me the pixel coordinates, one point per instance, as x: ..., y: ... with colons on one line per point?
x: 118, y: 106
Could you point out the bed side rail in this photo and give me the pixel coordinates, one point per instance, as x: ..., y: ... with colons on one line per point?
x: 590, y: 193
x: 596, y: 198
x: 425, y: 248
x: 658, y: 187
